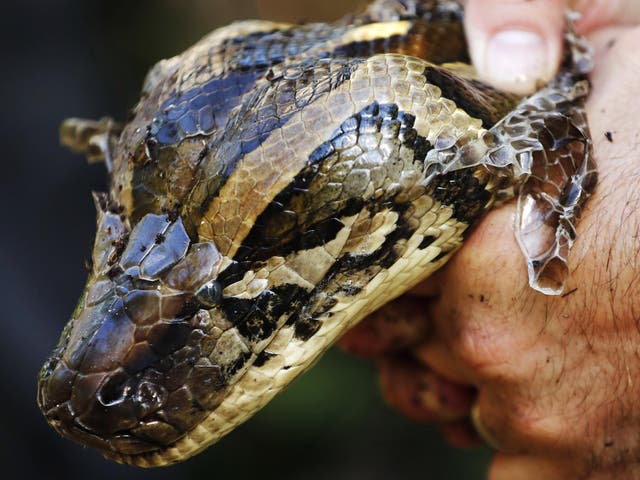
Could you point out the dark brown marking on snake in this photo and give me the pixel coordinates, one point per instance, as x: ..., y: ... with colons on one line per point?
x: 246, y: 59
x: 422, y: 40
x: 265, y: 49
x: 358, y: 270
x: 307, y: 212
x: 268, y: 109
x: 475, y: 98
x: 256, y: 318
x: 441, y: 255
x: 426, y: 40
x: 418, y: 144
x: 257, y: 325
x: 202, y: 109
x: 426, y: 241
x: 236, y: 271
x: 240, y: 362
x: 452, y: 188
x: 159, y: 179
x: 262, y: 358
x: 367, y: 48
x: 609, y: 136
x: 306, y: 327
x: 353, y: 271
x: 236, y: 309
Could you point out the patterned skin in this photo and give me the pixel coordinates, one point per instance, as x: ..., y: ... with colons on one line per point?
x: 276, y: 184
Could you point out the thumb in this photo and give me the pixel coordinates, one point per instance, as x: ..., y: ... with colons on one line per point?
x: 515, y: 44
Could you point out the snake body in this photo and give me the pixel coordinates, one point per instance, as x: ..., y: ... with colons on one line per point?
x: 273, y: 186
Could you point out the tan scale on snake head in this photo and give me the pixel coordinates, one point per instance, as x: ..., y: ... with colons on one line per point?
x: 277, y: 183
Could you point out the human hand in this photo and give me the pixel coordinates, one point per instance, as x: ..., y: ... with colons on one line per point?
x: 552, y: 381
x: 516, y: 44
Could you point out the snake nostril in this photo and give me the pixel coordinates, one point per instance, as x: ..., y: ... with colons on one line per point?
x: 115, y: 390
x: 146, y: 396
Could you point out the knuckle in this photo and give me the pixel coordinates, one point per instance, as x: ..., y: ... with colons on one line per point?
x: 485, y: 346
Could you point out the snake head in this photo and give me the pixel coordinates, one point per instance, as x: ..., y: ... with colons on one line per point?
x: 129, y: 374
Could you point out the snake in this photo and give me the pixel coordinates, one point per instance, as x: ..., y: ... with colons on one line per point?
x: 273, y: 186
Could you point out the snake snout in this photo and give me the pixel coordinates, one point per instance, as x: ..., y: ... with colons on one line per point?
x: 98, y: 385
x: 129, y: 386
x: 85, y: 391
x: 131, y: 373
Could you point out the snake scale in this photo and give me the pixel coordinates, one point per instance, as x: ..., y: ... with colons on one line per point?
x: 274, y: 185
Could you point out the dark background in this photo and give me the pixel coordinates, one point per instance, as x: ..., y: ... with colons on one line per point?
x: 85, y: 58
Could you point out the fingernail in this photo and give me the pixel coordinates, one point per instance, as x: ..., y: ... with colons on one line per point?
x: 517, y: 60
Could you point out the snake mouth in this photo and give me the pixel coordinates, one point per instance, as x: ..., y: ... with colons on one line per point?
x: 62, y: 418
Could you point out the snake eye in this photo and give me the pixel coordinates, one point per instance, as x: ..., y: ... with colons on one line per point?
x: 209, y: 294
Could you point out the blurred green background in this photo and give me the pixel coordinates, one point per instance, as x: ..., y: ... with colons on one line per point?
x: 88, y: 58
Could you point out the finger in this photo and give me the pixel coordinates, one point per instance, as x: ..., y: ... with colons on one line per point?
x: 515, y: 45
x: 396, y: 326
x: 523, y: 467
x: 601, y: 13
x: 438, y: 356
x: 421, y: 394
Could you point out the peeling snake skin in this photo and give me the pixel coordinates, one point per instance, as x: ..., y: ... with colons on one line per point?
x: 277, y: 183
